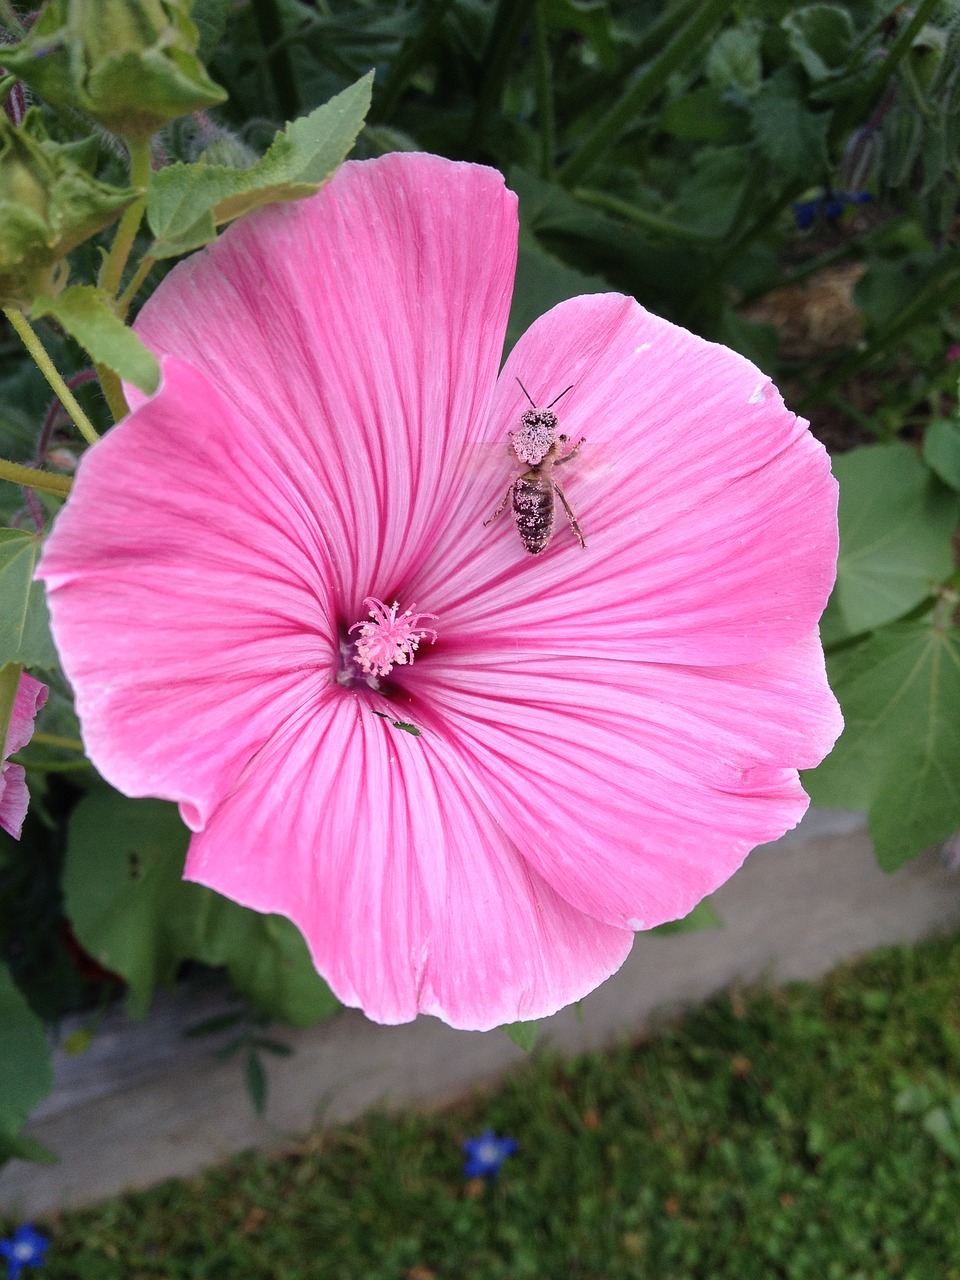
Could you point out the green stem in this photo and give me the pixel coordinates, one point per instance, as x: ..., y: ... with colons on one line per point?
x: 55, y: 740
x: 270, y: 26
x: 410, y: 58
x: 45, y: 481
x: 112, y: 389
x: 645, y: 87
x: 49, y: 371
x: 111, y: 273
x: 589, y: 92
x: 630, y: 213
x: 508, y: 22
x: 768, y: 215
x: 147, y: 263
x: 545, y: 112
x: 861, y: 419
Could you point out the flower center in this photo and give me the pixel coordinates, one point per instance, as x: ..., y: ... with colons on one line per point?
x: 389, y: 639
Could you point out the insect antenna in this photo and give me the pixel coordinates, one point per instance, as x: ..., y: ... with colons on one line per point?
x: 552, y: 402
x: 560, y: 396
x: 527, y: 393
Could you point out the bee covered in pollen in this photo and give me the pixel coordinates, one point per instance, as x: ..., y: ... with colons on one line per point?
x: 538, y: 445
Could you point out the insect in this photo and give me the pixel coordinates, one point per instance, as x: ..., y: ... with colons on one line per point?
x: 541, y: 448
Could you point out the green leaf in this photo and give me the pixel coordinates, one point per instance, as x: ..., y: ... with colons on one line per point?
x: 24, y: 621
x: 134, y: 913
x: 123, y: 892
x: 702, y: 916
x: 941, y: 449
x: 541, y: 282
x: 267, y: 960
x: 256, y: 1079
x: 733, y: 60
x: 86, y: 314
x: 757, y: 341
x: 542, y: 279
x: 21, y: 1146
x: 590, y: 18
x: 943, y: 1125
x: 523, y: 1034
x: 899, y: 754
x: 711, y: 194
x: 791, y: 136
x: 821, y: 36
x: 26, y: 1074
x: 705, y: 115
x: 210, y: 19
x: 187, y: 202
x: 896, y: 521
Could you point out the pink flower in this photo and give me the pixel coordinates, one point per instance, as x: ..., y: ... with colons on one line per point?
x: 604, y: 734
x: 14, y: 797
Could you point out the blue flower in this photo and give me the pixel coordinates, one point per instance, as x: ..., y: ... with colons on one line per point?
x: 486, y: 1154
x: 831, y: 204
x: 25, y: 1248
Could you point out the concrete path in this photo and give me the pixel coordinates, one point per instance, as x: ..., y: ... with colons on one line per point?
x: 144, y: 1104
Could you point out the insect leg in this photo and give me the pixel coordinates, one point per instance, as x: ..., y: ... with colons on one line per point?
x: 499, y: 510
x: 572, y: 453
x: 570, y: 515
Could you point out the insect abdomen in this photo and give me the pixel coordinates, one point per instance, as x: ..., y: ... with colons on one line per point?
x: 533, y: 511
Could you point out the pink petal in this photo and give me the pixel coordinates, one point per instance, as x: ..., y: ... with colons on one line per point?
x: 409, y: 896
x: 635, y: 789
x: 187, y: 581
x: 708, y: 508
x: 357, y: 335
x: 31, y: 696
x: 14, y: 799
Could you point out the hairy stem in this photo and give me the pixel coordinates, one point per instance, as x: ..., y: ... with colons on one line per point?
x: 641, y: 217
x: 111, y: 273
x: 46, y: 366
x: 46, y: 481
x: 112, y: 389
x: 146, y: 265
x: 508, y: 22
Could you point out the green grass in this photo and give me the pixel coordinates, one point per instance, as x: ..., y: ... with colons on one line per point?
x: 773, y: 1133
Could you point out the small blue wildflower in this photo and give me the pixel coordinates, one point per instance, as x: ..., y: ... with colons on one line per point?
x: 831, y: 204
x: 486, y: 1154
x: 804, y: 213
x: 25, y: 1248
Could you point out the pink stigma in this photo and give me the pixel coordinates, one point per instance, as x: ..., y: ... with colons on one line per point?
x: 387, y: 640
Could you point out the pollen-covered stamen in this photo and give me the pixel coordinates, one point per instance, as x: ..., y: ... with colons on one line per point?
x: 389, y: 639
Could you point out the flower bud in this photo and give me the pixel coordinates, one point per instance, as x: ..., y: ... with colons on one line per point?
x: 926, y: 54
x: 49, y: 203
x: 131, y: 65
x: 860, y: 158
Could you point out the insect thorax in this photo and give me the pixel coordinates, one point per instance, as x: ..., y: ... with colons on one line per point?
x: 536, y: 436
